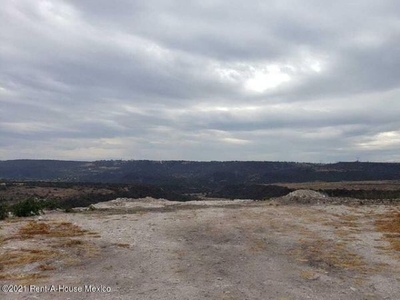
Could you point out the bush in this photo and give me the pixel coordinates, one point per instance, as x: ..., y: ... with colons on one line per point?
x: 49, y: 204
x: 3, y: 211
x: 26, y: 208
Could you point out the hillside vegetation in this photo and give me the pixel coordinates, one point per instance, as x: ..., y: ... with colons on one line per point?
x: 194, y: 174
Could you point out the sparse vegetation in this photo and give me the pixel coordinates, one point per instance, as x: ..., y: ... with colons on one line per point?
x: 389, y: 224
x: 3, y: 211
x: 246, y: 191
x: 363, y: 194
x: 25, y: 256
x: 50, y: 204
x: 62, y: 229
x: 123, y: 245
x: 27, y: 207
x: 55, y: 235
x: 69, y: 210
x: 329, y: 256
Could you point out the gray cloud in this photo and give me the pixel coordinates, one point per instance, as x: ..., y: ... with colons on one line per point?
x: 200, y: 80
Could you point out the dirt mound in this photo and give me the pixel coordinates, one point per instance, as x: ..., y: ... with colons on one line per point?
x: 304, y: 197
x: 132, y: 203
x: 149, y: 203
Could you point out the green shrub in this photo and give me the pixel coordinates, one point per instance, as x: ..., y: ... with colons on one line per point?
x: 3, y: 211
x: 26, y: 208
x: 49, y: 204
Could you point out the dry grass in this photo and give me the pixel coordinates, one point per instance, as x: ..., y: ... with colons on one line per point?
x: 46, y: 267
x: 12, y: 261
x: 93, y: 234
x: 350, y: 220
x: 69, y: 243
x: 78, y: 248
x: 61, y: 229
x: 25, y: 256
x: 71, y: 261
x: 34, y: 228
x: 122, y: 245
x: 53, y: 236
x: 25, y: 276
x: 328, y: 256
x: 349, y: 223
x: 258, y: 245
x: 87, y: 250
x: 307, y: 274
x: 317, y: 252
x: 389, y: 224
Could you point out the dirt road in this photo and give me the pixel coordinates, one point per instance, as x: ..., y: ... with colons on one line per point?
x: 205, y: 250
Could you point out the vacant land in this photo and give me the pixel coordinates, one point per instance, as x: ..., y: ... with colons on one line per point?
x: 154, y: 249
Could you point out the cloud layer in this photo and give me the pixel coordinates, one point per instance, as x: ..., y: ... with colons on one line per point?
x: 200, y: 80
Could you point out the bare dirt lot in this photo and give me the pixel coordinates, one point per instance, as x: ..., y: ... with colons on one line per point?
x: 155, y: 249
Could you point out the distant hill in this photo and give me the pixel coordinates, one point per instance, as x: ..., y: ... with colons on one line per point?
x: 197, y: 175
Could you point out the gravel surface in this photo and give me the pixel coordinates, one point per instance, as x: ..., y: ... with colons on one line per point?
x: 156, y: 249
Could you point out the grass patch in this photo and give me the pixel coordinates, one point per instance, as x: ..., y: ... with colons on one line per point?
x: 70, y: 243
x: 93, y: 234
x: 46, y: 267
x: 78, y: 248
x: 27, y: 207
x: 307, y: 274
x: 62, y: 229
x: 389, y: 225
x: 3, y: 211
x: 122, y: 245
x: 53, y: 236
x: 258, y: 245
x: 24, y: 276
x: 25, y: 256
x: 34, y: 228
x: 328, y: 256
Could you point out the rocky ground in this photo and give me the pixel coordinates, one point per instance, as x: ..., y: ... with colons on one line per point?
x: 155, y: 249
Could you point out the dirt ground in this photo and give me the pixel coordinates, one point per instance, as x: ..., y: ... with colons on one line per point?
x: 154, y: 249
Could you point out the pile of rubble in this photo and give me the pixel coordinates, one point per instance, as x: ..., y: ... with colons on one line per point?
x: 132, y: 203
x: 304, y: 197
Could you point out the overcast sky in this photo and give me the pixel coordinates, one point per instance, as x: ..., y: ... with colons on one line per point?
x: 288, y: 80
